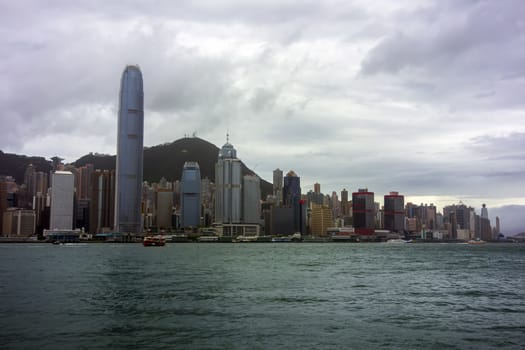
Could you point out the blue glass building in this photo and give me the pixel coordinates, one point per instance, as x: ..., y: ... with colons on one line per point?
x: 128, y: 187
x: 190, y: 193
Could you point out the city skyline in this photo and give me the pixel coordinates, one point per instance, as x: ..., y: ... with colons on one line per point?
x: 418, y: 98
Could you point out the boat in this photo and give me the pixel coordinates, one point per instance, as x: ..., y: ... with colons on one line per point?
x: 153, y: 241
x: 281, y: 239
x: 398, y: 240
x: 476, y: 241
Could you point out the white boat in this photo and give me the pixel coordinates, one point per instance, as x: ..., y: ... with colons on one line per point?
x: 398, y: 240
x: 476, y: 241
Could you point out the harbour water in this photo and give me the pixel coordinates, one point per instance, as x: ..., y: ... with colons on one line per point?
x: 262, y: 296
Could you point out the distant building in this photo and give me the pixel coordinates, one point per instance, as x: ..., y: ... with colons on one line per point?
x: 228, y: 186
x: 19, y: 222
x: 321, y: 219
x: 102, y: 203
x: 62, y: 200
x: 363, y: 212
x: 462, y: 213
x: 164, y: 206
x: 190, y: 195
x: 282, y: 222
x: 484, y: 223
x: 83, y: 181
x: 394, y: 212
x: 292, y: 199
x: 130, y: 152
x: 251, y: 199
x: 278, y: 186
x: 344, y: 202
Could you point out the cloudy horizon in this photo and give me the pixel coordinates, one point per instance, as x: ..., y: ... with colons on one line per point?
x: 420, y: 97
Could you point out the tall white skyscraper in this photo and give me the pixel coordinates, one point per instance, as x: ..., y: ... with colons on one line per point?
x: 128, y: 187
x: 62, y: 198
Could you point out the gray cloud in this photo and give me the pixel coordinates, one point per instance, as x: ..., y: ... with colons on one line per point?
x: 348, y: 94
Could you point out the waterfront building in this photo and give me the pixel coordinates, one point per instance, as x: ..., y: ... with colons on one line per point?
x: 363, y: 208
x: 164, y: 206
x: 251, y: 199
x: 19, y: 222
x: 129, y: 167
x: 344, y: 202
x: 292, y: 198
x: 190, y: 195
x: 321, y: 219
x: 394, y: 212
x: 102, y: 203
x: 425, y: 215
x: 462, y: 214
x: 83, y: 177
x: 484, y: 224
x: 228, y: 196
x: 62, y: 200
x: 30, y: 179
x: 278, y: 186
x: 281, y: 222
x: 453, y: 225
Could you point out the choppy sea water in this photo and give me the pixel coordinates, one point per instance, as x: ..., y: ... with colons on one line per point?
x: 262, y: 296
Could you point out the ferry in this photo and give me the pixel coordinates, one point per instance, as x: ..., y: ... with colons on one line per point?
x: 476, y: 241
x: 398, y: 240
x: 153, y: 241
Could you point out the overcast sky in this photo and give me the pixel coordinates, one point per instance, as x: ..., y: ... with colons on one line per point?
x: 422, y: 97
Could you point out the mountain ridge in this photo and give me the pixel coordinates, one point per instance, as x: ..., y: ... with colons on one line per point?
x: 163, y: 160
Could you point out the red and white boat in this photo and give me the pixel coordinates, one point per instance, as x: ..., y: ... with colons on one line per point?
x: 154, y: 241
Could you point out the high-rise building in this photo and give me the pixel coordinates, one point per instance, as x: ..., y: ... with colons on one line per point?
x: 228, y: 186
x: 83, y: 181
x: 30, y: 179
x: 363, y: 208
x: 251, y: 202
x: 317, y: 187
x: 321, y: 219
x: 164, y: 206
x: 462, y: 216
x: 102, y: 204
x: 292, y: 198
x: 19, y: 222
x: 394, y: 212
x: 130, y: 152
x: 344, y: 202
x: 484, y: 223
x: 278, y: 186
x: 62, y: 200
x: 190, y: 195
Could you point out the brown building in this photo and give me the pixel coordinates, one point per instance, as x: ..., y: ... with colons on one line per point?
x: 321, y: 219
x: 102, y: 203
x: 19, y: 222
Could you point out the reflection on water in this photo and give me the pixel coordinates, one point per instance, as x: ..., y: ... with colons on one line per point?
x: 262, y: 295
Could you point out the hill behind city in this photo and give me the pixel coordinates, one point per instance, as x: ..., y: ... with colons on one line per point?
x: 165, y: 160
